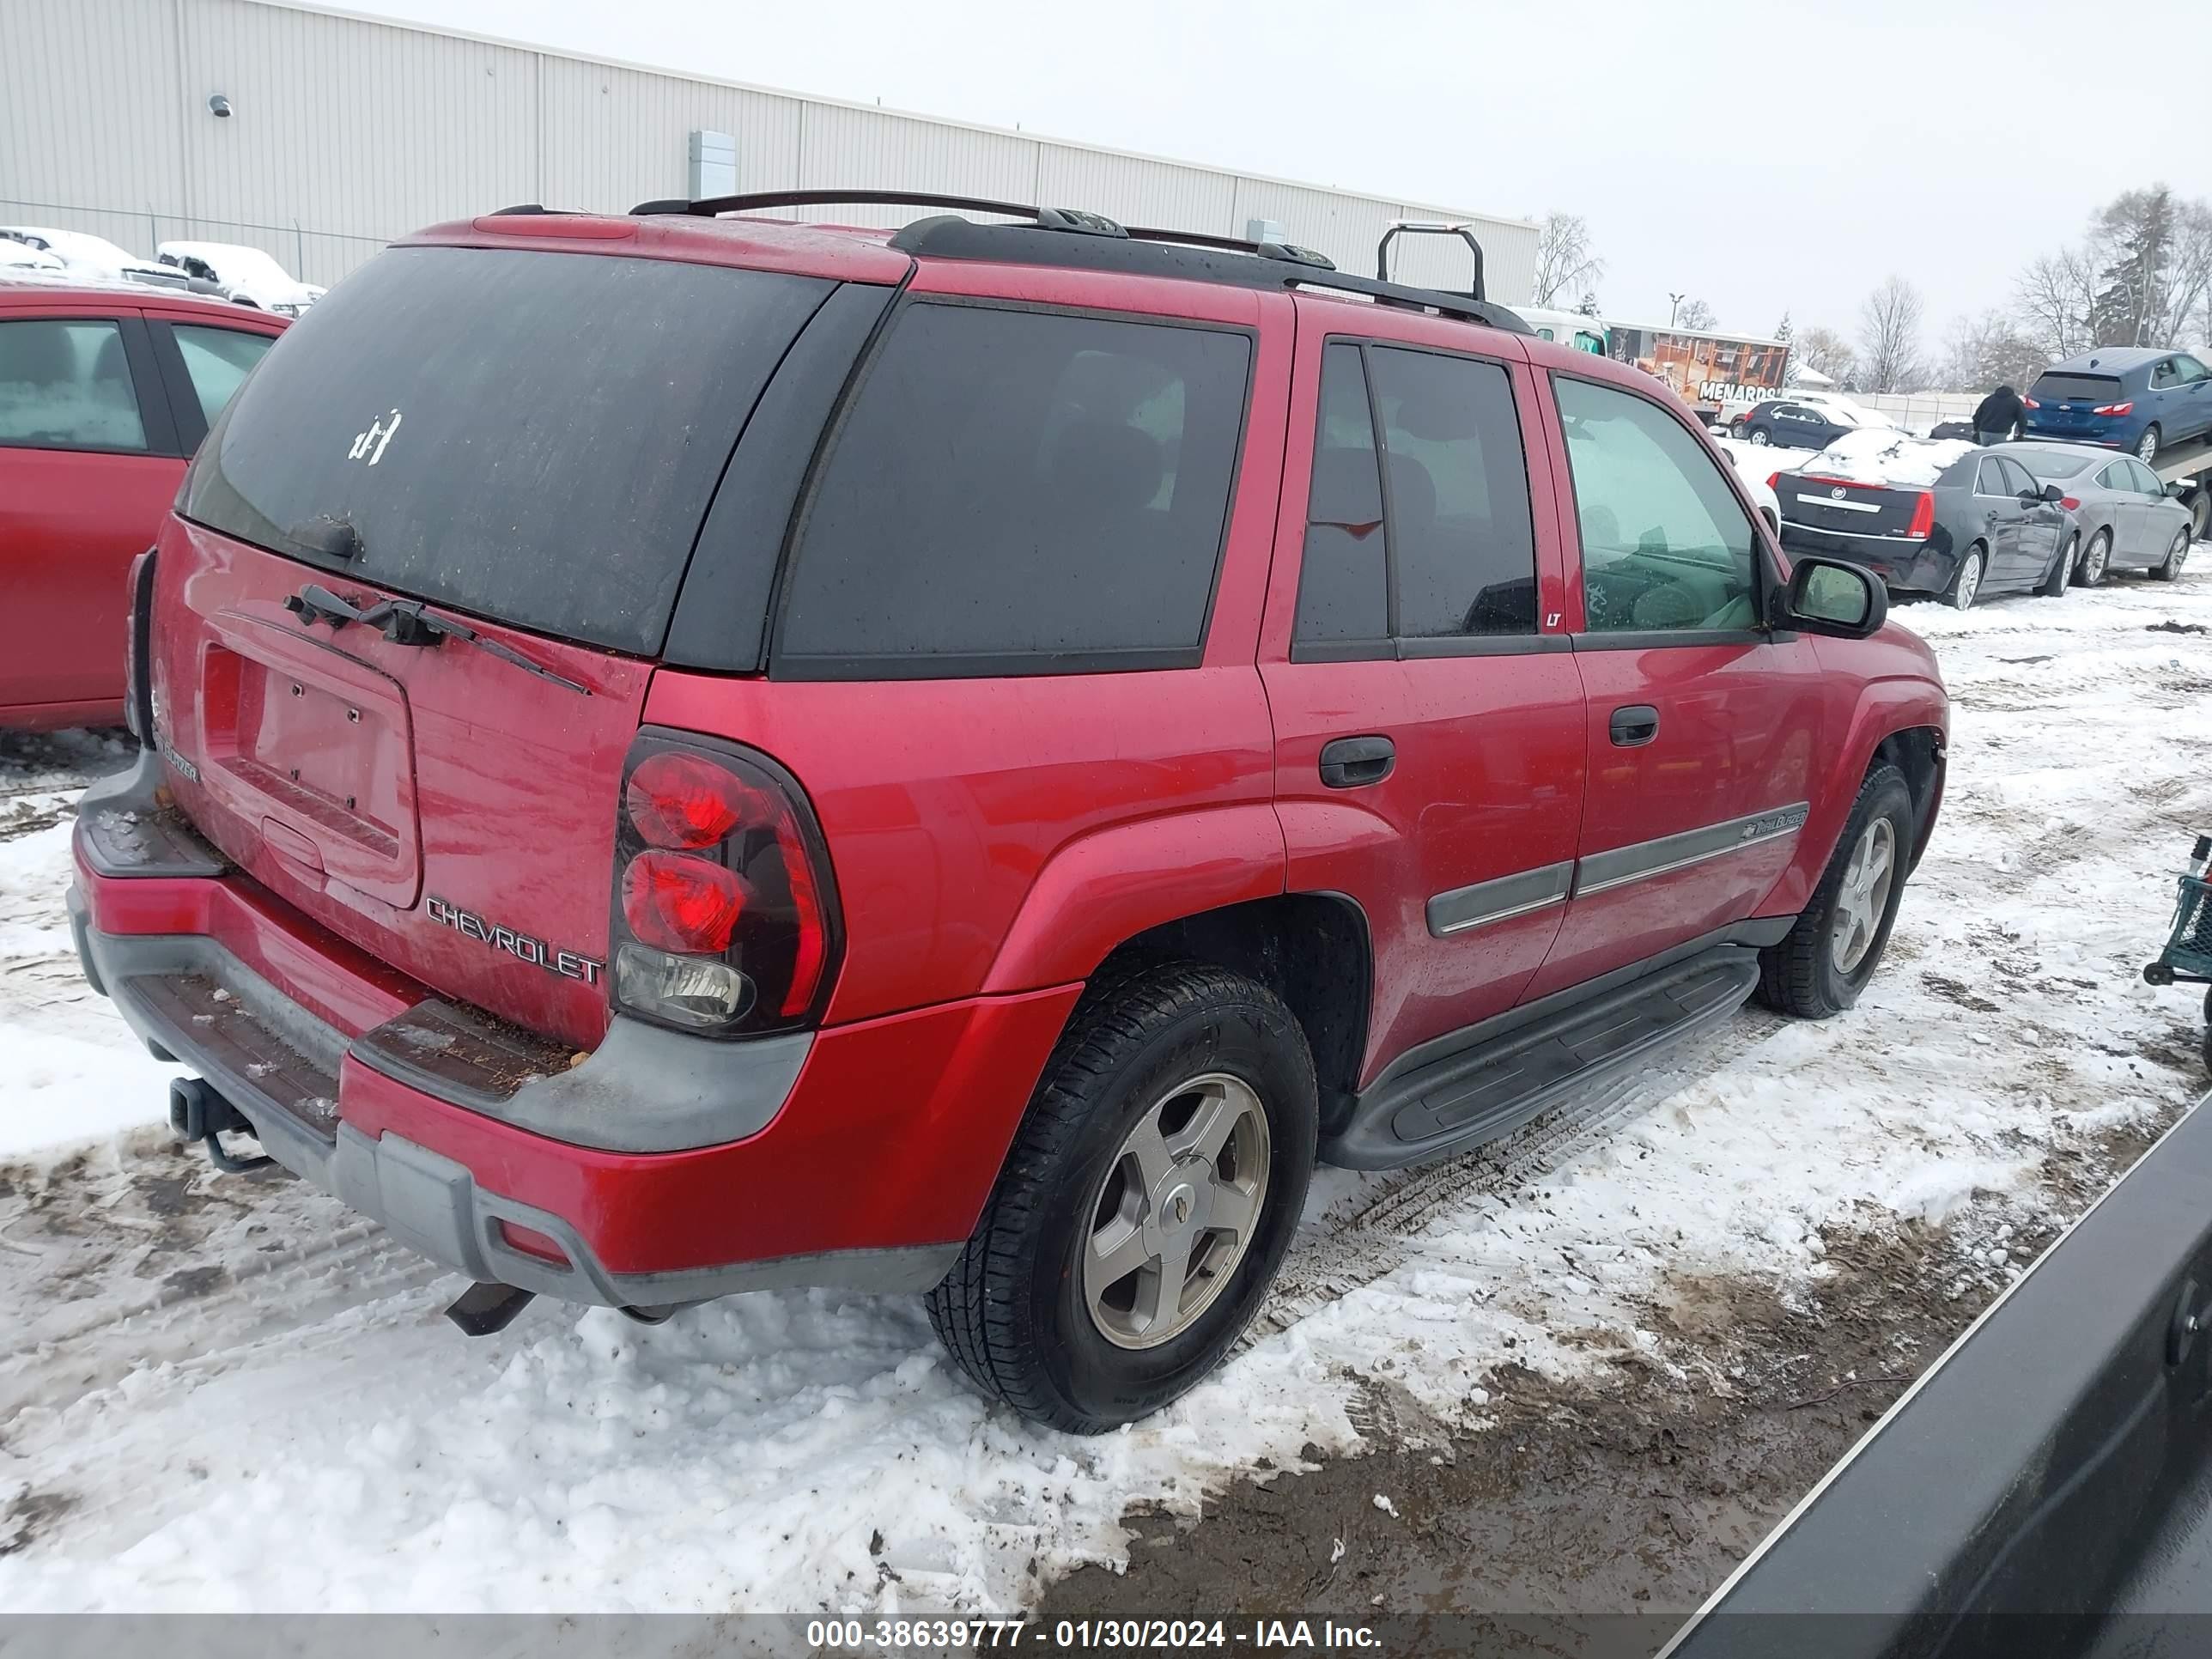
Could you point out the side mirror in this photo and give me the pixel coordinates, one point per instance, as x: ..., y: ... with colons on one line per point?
x: 2177, y: 489
x: 2053, y: 493
x: 1827, y: 596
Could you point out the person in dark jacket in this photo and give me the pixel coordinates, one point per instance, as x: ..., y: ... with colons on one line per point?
x: 1998, y: 416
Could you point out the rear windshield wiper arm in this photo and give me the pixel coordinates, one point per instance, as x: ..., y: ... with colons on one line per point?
x: 405, y: 622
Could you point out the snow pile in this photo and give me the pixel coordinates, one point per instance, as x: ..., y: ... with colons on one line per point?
x: 1884, y: 455
x: 808, y: 1450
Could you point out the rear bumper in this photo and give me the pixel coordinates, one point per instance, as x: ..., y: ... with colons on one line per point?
x: 859, y: 1157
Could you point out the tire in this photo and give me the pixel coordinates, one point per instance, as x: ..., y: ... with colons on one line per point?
x: 2147, y: 445
x: 1804, y: 975
x: 1735, y: 429
x: 2096, y: 560
x: 2207, y: 1031
x: 1966, y: 580
x: 2062, y: 569
x: 1773, y: 524
x: 2176, y: 557
x: 1016, y: 1310
x: 1760, y: 437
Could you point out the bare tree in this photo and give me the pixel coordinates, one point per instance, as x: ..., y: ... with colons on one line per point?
x: 1889, y: 334
x: 2057, y: 301
x: 1988, y: 350
x: 1564, y: 261
x: 1696, y: 314
x: 1826, y: 350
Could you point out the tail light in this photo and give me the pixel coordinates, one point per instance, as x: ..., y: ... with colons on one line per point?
x: 1773, y: 479
x: 2114, y: 409
x: 1923, y: 516
x: 2029, y: 402
x: 138, y: 650
x: 726, y: 919
x: 2070, y: 503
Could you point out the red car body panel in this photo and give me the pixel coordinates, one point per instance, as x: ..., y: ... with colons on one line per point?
x: 70, y: 522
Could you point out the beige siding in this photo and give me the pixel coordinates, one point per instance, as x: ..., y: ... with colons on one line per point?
x: 349, y: 132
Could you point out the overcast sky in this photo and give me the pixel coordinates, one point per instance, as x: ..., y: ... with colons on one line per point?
x: 1764, y: 158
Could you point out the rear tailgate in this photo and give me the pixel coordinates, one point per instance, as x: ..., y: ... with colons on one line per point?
x: 1843, y: 508
x: 525, y: 444
x: 2067, y: 405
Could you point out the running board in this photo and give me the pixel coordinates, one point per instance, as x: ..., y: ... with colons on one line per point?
x: 1480, y: 1093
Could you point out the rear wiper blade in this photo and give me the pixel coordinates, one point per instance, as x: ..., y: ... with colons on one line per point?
x: 405, y: 622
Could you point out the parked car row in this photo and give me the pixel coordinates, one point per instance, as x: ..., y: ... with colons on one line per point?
x: 1950, y: 518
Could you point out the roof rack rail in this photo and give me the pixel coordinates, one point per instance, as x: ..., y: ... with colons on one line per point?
x: 1068, y: 219
x: 1102, y: 244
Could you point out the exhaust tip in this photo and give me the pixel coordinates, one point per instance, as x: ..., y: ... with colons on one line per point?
x: 486, y: 1309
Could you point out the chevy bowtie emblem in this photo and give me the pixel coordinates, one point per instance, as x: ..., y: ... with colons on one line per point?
x: 1836, y: 493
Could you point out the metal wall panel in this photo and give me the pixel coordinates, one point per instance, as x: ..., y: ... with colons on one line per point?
x: 346, y: 132
x: 352, y: 127
x: 88, y: 108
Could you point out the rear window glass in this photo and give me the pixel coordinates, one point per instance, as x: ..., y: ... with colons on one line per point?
x: 1016, y: 492
x: 532, y: 437
x: 2074, y: 388
x: 2047, y: 466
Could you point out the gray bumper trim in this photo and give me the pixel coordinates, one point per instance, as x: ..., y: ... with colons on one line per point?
x: 429, y: 1201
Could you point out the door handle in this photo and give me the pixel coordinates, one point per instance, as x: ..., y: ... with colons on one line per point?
x: 1634, y: 726
x: 1350, y: 762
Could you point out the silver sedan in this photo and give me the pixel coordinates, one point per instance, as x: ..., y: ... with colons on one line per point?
x: 2127, y: 521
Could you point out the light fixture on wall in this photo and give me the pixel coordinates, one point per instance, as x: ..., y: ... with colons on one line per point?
x: 219, y: 106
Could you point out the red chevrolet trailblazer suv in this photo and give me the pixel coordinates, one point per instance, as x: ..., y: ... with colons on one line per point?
x: 690, y: 754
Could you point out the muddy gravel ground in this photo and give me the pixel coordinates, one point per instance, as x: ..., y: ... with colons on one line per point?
x: 1574, y: 1506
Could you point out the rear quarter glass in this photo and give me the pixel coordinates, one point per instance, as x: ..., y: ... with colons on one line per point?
x: 1019, y: 490
x: 528, y: 437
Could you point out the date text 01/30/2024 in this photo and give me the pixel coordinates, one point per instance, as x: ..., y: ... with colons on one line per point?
x: 1087, y: 1635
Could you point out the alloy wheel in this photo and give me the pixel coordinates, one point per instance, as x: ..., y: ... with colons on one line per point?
x: 1863, y: 898
x: 2147, y: 445
x: 2094, y: 561
x: 1970, y: 582
x: 2178, y: 554
x: 1177, y: 1211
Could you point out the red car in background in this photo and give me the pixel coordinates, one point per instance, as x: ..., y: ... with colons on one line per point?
x: 104, y: 392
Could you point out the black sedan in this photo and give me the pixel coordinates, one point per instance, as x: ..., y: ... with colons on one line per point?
x: 2129, y: 520
x: 1789, y: 426
x: 1930, y: 517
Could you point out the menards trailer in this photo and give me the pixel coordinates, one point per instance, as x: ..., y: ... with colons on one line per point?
x: 1710, y: 371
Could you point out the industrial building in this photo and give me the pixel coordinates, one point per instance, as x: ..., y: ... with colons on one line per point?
x: 320, y: 135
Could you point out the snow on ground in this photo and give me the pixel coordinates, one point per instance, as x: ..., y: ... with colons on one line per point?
x: 221, y: 1373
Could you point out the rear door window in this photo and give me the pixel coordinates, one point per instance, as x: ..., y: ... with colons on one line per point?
x: 217, y: 361
x: 67, y: 385
x: 1020, y: 491
x: 1462, y: 541
x: 1344, y: 592
x: 533, y: 437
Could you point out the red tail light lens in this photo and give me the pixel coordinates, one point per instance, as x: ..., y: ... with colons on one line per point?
x: 682, y: 904
x: 1773, y: 479
x: 2029, y: 402
x: 726, y: 919
x: 1923, y: 516
x: 681, y: 800
x: 2070, y: 503
x: 2114, y: 409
